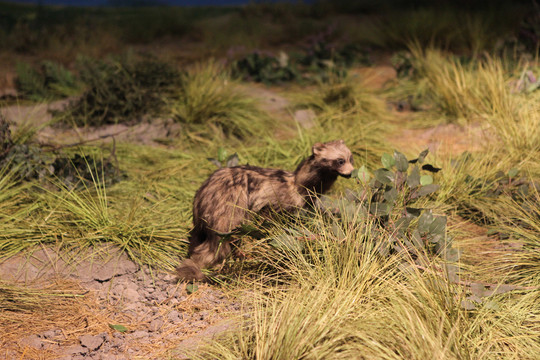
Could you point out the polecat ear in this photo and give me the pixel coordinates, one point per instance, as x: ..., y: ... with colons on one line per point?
x: 317, y: 148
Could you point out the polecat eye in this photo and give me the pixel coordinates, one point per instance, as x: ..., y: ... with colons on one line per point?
x: 341, y: 162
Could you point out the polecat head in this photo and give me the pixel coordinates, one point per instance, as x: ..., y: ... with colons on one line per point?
x: 334, y: 155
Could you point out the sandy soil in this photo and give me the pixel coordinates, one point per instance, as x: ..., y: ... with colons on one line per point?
x: 157, y: 311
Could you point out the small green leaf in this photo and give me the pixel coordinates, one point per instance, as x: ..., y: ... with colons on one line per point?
x: 413, y: 211
x: 413, y: 180
x: 452, y: 254
x: 422, y: 156
x: 363, y: 174
x: 512, y: 172
x: 492, y: 305
x: 402, y: 164
x: 379, y: 209
x: 191, y: 288
x: 424, y: 221
x: 426, y: 180
x: 402, y: 224
x: 119, y: 328
x: 384, y: 176
x: 222, y: 154
x: 391, y: 195
x: 438, y: 226
x: 417, y: 239
x: 387, y: 161
x: 426, y: 190
x: 337, y: 230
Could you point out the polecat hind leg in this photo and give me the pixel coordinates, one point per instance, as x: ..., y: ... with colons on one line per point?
x: 202, y: 255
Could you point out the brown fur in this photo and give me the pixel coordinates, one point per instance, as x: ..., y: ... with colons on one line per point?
x: 230, y: 195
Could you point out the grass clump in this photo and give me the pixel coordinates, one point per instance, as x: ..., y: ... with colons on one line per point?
x: 210, y: 102
x: 49, y: 82
x: 340, y: 298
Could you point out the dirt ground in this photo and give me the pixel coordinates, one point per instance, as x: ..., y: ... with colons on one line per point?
x: 158, y: 313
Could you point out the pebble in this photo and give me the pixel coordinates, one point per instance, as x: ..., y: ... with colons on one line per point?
x: 174, y: 316
x: 75, y: 349
x: 131, y: 295
x: 92, y: 342
x: 138, y: 334
x: 155, y: 325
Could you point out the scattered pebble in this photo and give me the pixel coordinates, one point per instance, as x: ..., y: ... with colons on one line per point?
x: 91, y: 342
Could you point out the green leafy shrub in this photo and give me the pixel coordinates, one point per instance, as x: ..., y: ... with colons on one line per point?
x: 28, y: 161
x: 391, y: 196
x: 5, y: 136
x: 121, y: 90
x: 265, y: 68
x: 50, y: 81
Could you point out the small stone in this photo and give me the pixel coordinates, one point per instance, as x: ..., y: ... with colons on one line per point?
x: 139, y: 334
x: 32, y: 341
x: 168, y: 277
x: 92, y: 342
x: 131, y: 294
x: 51, y: 334
x: 174, y: 316
x: 117, y: 290
x: 155, y: 325
x: 174, y: 301
x: 132, y: 306
x: 131, y: 285
x: 160, y: 298
x: 75, y: 350
x: 111, y: 357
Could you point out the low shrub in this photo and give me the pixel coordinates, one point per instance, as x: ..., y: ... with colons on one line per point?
x: 121, y: 89
x: 48, y: 82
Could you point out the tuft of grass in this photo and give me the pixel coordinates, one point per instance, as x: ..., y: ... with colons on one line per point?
x: 89, y: 216
x: 338, y: 298
x: 210, y: 103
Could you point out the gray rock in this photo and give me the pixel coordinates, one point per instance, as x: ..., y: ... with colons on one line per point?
x: 92, y: 342
x: 75, y: 350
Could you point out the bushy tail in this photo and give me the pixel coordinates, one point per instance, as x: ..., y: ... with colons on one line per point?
x: 190, y: 271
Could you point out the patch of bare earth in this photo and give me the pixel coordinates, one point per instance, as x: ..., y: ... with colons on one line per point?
x: 146, y: 132
x: 83, y: 297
